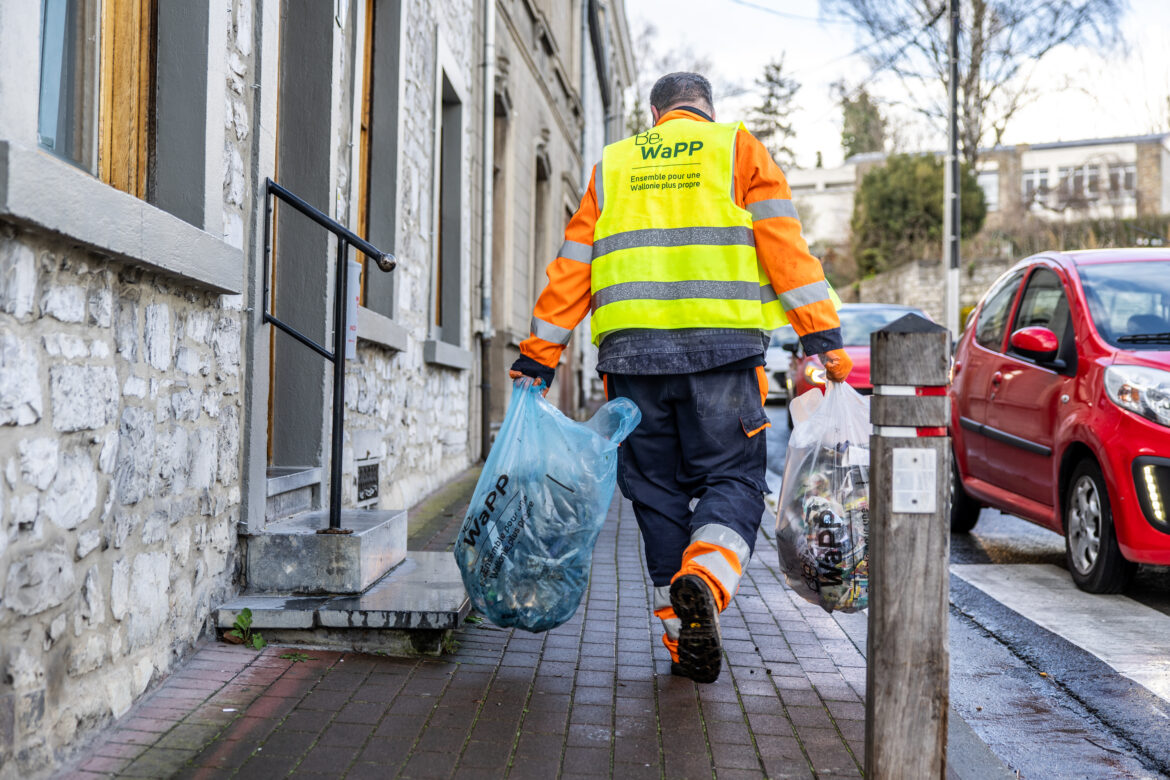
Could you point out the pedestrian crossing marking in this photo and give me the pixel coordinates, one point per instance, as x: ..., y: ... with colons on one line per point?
x: 1128, y: 636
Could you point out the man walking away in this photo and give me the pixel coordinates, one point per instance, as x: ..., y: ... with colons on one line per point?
x: 686, y: 250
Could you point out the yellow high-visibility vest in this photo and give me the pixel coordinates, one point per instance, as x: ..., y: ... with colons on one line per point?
x: 671, y: 249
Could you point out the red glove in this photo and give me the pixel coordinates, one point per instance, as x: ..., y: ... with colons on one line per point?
x: 837, y: 364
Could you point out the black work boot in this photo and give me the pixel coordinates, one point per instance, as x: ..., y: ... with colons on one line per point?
x: 699, y: 651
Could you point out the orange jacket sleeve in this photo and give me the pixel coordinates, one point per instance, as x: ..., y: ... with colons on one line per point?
x: 796, y: 276
x: 564, y: 302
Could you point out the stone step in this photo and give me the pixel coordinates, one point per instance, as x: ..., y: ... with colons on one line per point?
x: 289, y: 556
x: 291, y: 491
x: 409, y: 611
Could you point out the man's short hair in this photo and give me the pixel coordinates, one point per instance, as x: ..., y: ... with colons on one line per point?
x: 681, y: 88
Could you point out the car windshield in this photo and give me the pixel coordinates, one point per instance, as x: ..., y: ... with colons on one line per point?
x: 857, y: 324
x: 1129, y: 302
x: 782, y: 335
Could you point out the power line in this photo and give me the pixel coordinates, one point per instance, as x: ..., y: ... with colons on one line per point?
x: 853, y: 93
x: 786, y: 15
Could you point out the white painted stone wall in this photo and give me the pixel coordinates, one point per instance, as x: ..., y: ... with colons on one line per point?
x: 119, y: 440
x: 119, y: 454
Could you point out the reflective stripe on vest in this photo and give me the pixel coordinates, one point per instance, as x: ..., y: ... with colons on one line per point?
x: 671, y: 248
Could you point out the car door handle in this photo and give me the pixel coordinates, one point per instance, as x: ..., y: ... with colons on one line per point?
x: 996, y: 378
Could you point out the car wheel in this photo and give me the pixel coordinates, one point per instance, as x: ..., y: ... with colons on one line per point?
x: 1094, y: 559
x: 964, y: 510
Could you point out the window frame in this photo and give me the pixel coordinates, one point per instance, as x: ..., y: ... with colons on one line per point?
x: 449, y: 264
x: 1013, y: 279
x: 381, y: 61
x: 129, y: 230
x: 1065, y: 337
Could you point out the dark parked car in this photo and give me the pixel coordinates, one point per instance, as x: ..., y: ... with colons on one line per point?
x: 1060, y: 407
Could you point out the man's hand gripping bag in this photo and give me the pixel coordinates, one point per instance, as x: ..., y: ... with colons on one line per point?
x: 822, y: 525
x: 527, y: 542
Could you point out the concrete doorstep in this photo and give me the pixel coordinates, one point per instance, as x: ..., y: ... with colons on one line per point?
x: 593, y: 697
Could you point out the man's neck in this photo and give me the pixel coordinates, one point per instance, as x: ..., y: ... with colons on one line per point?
x: 689, y: 109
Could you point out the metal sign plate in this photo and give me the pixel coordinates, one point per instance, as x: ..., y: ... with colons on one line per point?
x: 915, y: 481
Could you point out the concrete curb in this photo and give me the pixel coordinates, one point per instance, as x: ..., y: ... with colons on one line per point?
x: 969, y: 757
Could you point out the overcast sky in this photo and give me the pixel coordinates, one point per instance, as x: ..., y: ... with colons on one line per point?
x: 1124, y: 94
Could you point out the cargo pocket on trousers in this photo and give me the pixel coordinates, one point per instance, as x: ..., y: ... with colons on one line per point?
x: 754, y: 422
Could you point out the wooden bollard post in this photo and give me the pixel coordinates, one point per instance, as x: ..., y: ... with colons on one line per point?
x: 908, y: 664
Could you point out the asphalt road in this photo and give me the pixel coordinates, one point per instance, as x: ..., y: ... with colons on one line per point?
x: 1058, y: 683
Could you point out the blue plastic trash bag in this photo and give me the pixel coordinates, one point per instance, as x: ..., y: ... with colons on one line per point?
x: 526, y: 544
x: 822, y: 526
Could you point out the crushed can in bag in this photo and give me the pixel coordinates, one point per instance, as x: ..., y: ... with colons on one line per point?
x: 822, y: 524
x: 526, y: 545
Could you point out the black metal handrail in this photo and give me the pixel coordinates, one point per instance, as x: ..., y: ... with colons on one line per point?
x: 345, y: 239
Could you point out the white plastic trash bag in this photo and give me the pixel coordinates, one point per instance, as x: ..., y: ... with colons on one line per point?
x: 822, y: 524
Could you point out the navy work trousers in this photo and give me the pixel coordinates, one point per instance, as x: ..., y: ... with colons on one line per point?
x: 701, y: 438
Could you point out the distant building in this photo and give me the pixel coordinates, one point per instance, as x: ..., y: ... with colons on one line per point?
x: 1112, y: 178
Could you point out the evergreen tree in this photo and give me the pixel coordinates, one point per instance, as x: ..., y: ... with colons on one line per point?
x: 898, y: 211
x: 863, y: 126
x: 771, y: 120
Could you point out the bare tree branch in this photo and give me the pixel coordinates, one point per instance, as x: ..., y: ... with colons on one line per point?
x: 1000, y: 42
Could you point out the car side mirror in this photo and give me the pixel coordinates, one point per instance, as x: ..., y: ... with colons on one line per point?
x: 790, y: 346
x: 1037, y: 343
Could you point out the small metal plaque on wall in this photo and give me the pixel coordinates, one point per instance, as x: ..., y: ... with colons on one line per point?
x: 367, y: 483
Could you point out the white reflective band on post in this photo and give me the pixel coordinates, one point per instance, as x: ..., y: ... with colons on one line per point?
x: 803, y: 296
x: 895, y: 390
x: 575, y: 250
x: 895, y: 431
x: 718, y: 567
x: 549, y: 332
x: 774, y: 207
x: 722, y: 536
x: 662, y: 597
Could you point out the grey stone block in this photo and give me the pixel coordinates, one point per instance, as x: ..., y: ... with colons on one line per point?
x: 291, y: 557
x: 425, y: 592
x: 269, y: 612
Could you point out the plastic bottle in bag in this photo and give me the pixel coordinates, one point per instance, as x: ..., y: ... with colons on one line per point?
x: 822, y: 523
x: 526, y: 545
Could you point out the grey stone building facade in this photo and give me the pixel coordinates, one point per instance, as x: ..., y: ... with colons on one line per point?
x: 151, y: 422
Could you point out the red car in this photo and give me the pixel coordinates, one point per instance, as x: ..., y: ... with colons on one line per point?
x: 1060, y: 408
x: 858, y: 320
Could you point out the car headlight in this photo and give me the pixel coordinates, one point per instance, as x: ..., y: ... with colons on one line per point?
x: 1141, y: 390
x: 816, y: 374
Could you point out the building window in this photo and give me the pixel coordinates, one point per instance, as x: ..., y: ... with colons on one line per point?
x: 1122, y: 178
x: 449, y: 224
x: 989, y: 183
x: 377, y: 212
x: 1035, y: 184
x: 1079, y: 183
x: 67, y: 120
x: 96, y: 100
x: 123, y: 95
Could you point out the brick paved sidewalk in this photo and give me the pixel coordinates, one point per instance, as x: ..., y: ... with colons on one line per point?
x: 592, y: 698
